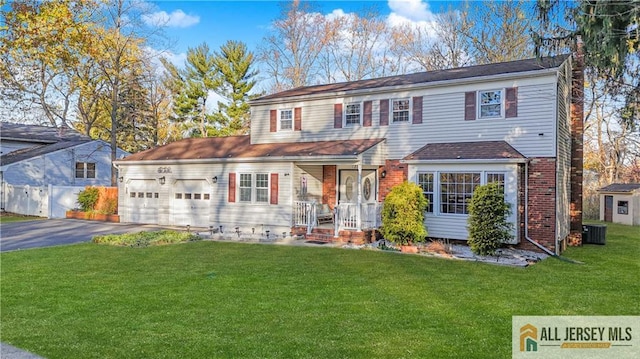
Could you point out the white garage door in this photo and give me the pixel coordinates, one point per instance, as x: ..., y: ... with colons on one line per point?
x: 190, y: 204
x: 142, y: 201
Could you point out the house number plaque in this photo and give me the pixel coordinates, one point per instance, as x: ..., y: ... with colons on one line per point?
x: 164, y: 169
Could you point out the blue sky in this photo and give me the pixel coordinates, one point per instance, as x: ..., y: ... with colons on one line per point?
x: 190, y: 23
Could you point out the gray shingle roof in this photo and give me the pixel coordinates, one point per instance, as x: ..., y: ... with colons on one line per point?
x: 620, y: 187
x: 26, y: 153
x: 485, y: 150
x: 39, y: 134
x: 426, y: 77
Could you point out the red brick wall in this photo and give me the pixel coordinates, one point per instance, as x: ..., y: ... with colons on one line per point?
x: 396, y: 174
x: 577, y: 135
x: 542, y: 201
x: 329, y: 185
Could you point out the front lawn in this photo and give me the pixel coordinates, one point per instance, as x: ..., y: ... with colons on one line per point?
x: 235, y: 300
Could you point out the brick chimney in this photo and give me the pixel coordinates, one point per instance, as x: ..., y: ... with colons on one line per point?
x: 577, y: 134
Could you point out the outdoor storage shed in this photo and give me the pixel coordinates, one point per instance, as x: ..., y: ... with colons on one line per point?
x: 620, y: 203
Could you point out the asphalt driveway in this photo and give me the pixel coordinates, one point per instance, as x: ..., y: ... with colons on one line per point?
x: 55, y: 232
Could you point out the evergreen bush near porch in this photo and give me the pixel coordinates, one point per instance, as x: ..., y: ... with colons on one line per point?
x: 488, y: 212
x: 403, y: 214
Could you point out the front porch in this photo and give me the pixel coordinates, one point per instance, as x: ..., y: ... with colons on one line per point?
x: 347, y: 222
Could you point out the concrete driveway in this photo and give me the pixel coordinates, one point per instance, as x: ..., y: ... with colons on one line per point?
x: 55, y: 232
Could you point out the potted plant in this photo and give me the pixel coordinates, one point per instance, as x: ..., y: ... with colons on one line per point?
x: 403, y: 216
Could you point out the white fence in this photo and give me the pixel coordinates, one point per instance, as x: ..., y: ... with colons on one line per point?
x: 41, y: 201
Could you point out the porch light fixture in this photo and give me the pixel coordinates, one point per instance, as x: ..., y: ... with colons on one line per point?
x: 383, y: 174
x: 121, y: 179
x: 214, y: 179
x: 162, y: 180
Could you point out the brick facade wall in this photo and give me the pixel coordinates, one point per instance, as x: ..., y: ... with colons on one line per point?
x: 541, y: 204
x: 396, y: 173
x: 577, y: 135
x: 329, y: 179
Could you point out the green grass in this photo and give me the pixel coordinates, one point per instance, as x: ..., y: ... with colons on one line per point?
x: 8, y: 218
x: 234, y: 300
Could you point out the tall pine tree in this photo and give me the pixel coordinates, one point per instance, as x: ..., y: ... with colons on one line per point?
x: 233, y: 82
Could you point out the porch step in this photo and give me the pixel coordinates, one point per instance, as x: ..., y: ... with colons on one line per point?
x: 320, y: 234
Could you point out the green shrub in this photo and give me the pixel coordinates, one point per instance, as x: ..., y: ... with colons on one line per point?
x: 144, y: 239
x: 487, y: 222
x: 403, y: 214
x: 87, y: 198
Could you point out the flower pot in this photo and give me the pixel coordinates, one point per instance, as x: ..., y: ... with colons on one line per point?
x: 408, y: 249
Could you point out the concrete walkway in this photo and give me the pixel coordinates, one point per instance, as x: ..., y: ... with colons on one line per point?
x: 10, y: 352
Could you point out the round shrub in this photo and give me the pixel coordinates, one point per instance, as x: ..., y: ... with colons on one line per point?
x: 403, y: 214
x: 487, y: 223
x: 87, y: 198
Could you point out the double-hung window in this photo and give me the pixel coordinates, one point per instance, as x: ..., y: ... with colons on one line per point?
x: 490, y: 104
x: 85, y: 170
x: 286, y: 119
x: 400, y: 110
x: 425, y: 181
x: 254, y: 188
x: 352, y: 114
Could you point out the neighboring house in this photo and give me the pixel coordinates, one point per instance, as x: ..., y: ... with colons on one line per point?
x: 346, y: 145
x: 40, y: 156
x: 620, y: 203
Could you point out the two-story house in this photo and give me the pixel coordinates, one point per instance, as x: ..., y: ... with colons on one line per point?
x: 345, y: 145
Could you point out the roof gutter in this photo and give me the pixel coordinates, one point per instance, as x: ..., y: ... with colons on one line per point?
x: 465, y: 161
x: 324, y: 158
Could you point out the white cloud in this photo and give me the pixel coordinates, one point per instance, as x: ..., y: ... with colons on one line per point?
x: 413, y: 13
x: 177, y: 18
x: 413, y: 10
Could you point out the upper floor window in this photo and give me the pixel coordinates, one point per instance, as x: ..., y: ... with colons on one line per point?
x: 425, y: 181
x: 490, y: 104
x: 286, y: 119
x: 85, y: 170
x: 400, y: 110
x: 352, y: 114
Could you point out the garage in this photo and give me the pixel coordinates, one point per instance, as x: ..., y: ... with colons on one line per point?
x: 142, y: 201
x: 190, y: 203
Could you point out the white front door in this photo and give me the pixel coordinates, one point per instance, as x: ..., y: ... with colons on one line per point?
x: 190, y: 203
x: 142, y: 201
x: 348, y: 191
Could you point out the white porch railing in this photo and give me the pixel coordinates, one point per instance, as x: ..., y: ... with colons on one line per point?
x: 348, y: 216
x: 304, y: 214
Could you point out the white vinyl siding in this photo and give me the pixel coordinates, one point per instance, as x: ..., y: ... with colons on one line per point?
x: 532, y: 132
x: 220, y: 212
x: 59, y: 167
x: 563, y: 172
